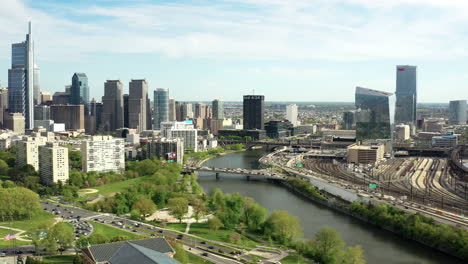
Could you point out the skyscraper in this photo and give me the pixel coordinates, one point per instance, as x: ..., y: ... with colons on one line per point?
x: 70, y: 115
x: 37, y: 85
x: 125, y: 110
x: 137, y: 104
x: 3, y: 105
x: 200, y: 110
x: 457, y: 112
x: 172, y: 109
x: 373, y: 114
x: 21, y: 79
x: 406, y: 94
x: 218, y: 109
x: 80, y: 90
x: 254, y: 109
x: 161, y: 107
x: 291, y: 114
x: 112, y: 117
x: 349, y: 120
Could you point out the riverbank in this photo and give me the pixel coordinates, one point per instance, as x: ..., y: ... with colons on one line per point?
x: 201, y: 162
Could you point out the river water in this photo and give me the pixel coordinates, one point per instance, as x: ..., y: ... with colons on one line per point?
x: 379, y: 246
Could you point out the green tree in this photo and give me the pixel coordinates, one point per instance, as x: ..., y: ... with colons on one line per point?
x: 327, y: 246
x: 180, y: 255
x: 62, y: 233
x: 146, y: 167
x: 283, y: 227
x: 354, y: 255
x: 145, y: 206
x: 199, y: 209
x: 254, y: 214
x: 3, y: 167
x: 178, y: 207
x: 214, y: 223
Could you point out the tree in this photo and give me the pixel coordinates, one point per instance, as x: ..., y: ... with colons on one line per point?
x: 118, y: 238
x: 327, y: 247
x: 181, y: 254
x: 3, y: 167
x: 214, y: 223
x: 283, y: 227
x: 354, y: 255
x: 178, y: 207
x: 254, y: 214
x: 199, y: 209
x: 62, y: 233
x: 145, y: 206
x: 146, y: 167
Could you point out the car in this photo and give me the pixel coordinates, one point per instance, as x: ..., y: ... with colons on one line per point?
x: 58, y: 205
x: 205, y: 254
x: 161, y: 231
x: 211, y: 247
x: 136, y: 224
x: 180, y: 236
x: 153, y: 235
x: 134, y: 230
x: 203, y: 243
x: 2, y: 254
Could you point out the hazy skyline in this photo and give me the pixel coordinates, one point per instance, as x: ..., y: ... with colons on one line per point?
x: 305, y: 50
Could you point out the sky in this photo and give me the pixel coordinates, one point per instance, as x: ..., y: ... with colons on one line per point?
x: 287, y: 50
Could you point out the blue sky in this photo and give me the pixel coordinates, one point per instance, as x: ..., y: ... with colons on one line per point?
x: 288, y: 50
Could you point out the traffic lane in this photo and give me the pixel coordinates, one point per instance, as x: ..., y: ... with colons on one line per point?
x: 10, y: 251
x: 67, y: 211
x: 209, y: 256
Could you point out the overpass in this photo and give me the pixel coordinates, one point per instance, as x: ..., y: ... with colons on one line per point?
x: 248, y: 173
x: 273, y: 144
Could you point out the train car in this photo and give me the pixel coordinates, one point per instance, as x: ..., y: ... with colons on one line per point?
x: 439, y: 212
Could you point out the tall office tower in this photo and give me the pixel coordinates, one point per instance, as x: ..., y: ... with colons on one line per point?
x: 103, y: 154
x: 178, y: 111
x: 46, y: 98
x: 291, y: 114
x: 183, y: 130
x: 171, y: 150
x: 137, y: 102
x: 112, y: 117
x: 70, y: 115
x: 373, y: 114
x: 80, y: 90
x: 42, y: 112
x: 349, y: 120
x: 406, y: 94
x: 186, y: 111
x: 27, y: 152
x: 61, y: 98
x: 53, y: 164
x: 254, y: 109
x: 15, y: 122
x: 457, y: 112
x: 149, y: 115
x: 125, y: 110
x: 95, y: 110
x: 200, y: 110
x: 21, y: 79
x: 172, y: 110
x: 3, y: 105
x: 218, y: 109
x: 161, y: 107
x: 37, y: 85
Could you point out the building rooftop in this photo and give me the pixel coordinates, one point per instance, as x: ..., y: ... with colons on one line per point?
x: 367, y: 91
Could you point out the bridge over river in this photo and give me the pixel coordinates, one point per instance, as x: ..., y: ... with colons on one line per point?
x: 265, y: 174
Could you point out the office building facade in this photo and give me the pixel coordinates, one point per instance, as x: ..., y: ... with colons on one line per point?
x: 406, y: 94
x: 112, y: 117
x: 103, y: 154
x: 161, y: 107
x: 373, y: 114
x: 184, y: 130
x: 171, y: 150
x: 53, y: 164
x: 80, y: 90
x: 21, y: 80
x: 218, y: 109
x: 349, y: 120
x: 70, y: 115
x: 457, y: 112
x: 3, y: 106
x: 253, y: 112
x: 291, y: 114
x: 137, y: 102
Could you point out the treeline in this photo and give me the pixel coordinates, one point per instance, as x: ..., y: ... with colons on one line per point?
x: 305, y: 187
x: 17, y: 203
x: 417, y: 227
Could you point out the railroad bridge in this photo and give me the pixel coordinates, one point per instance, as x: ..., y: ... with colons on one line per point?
x: 250, y: 174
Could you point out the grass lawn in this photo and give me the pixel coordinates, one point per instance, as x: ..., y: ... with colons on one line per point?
x: 194, y: 259
x: 179, y: 227
x: 59, y: 259
x: 4, y: 244
x: 112, y: 188
x: 29, y: 223
x: 109, y: 232
x: 223, y: 235
x: 292, y: 259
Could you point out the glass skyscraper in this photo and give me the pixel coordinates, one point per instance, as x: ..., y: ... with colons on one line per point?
x: 80, y: 90
x: 457, y: 112
x: 161, y: 107
x: 218, y: 109
x: 406, y: 94
x: 374, y: 117
x: 253, y: 112
x: 21, y: 80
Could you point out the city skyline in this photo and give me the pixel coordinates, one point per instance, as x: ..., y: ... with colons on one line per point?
x: 216, y: 47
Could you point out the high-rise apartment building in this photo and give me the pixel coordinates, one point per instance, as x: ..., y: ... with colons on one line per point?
x: 21, y: 79
x: 254, y: 109
x: 406, y: 94
x: 15, y: 122
x: 172, y: 110
x: 113, y: 106
x: 137, y: 102
x: 70, y: 115
x: 457, y: 112
x: 349, y: 120
x: 80, y: 90
x: 218, y: 109
x: 373, y: 114
x: 200, y: 110
x: 3, y: 105
x: 27, y: 151
x: 183, y: 130
x: 53, y: 163
x: 169, y: 149
x: 291, y: 114
x: 103, y: 154
x: 161, y: 107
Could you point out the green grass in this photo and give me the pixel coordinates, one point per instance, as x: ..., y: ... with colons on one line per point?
x: 179, y: 227
x: 27, y: 223
x: 194, y: 259
x: 292, y: 259
x: 59, y: 259
x: 223, y: 235
x: 109, y: 232
x: 10, y: 243
x: 109, y: 189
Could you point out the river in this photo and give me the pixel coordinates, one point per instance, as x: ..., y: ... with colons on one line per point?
x: 379, y: 246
